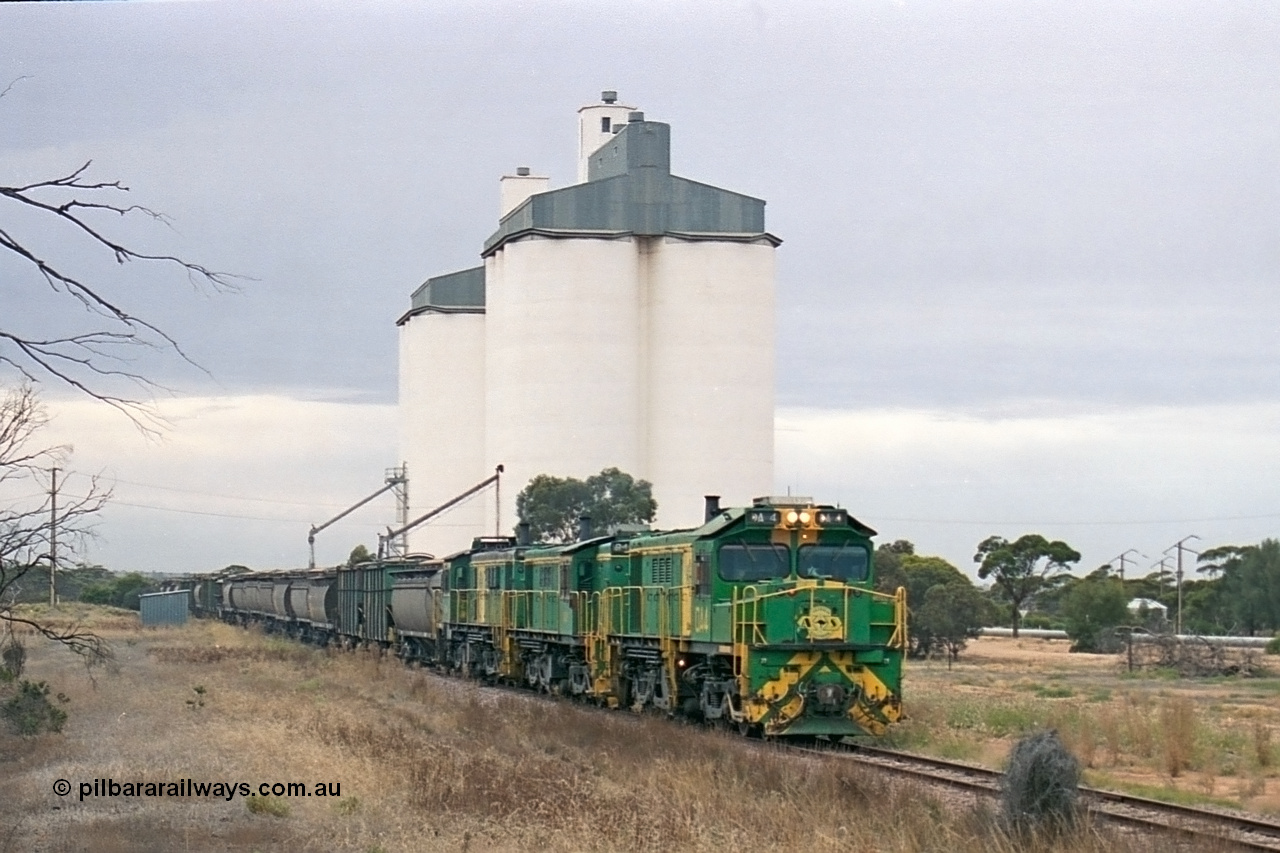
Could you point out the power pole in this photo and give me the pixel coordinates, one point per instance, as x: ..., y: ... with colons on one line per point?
x: 53, y: 537
x: 1122, y: 557
x: 1181, y: 548
x: 1164, y: 570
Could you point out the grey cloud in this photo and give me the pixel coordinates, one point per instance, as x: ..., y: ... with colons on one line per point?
x: 980, y: 204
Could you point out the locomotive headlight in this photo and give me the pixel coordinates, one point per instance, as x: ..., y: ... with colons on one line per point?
x: 792, y: 517
x: 804, y: 518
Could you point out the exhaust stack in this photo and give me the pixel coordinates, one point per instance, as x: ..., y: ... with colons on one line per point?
x: 713, y: 507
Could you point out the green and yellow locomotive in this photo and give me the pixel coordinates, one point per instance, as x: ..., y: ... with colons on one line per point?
x: 765, y: 618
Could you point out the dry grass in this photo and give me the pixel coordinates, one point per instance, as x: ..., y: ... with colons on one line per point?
x: 1178, y: 735
x: 74, y: 614
x: 1192, y: 740
x: 1262, y: 744
x: 426, y: 763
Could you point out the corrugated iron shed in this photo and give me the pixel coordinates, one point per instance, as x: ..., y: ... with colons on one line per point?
x: 165, y: 608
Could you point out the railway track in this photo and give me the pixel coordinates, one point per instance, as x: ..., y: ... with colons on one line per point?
x: 1244, y: 831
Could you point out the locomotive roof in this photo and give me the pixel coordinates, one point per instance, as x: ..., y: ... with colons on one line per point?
x: 535, y: 551
x: 728, y: 518
x: 722, y: 521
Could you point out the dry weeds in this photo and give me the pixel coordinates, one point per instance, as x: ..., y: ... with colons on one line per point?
x: 427, y: 763
x: 1177, y: 728
x: 1151, y: 733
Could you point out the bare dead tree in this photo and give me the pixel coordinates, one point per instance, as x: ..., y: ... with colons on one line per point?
x: 72, y: 210
x: 80, y: 359
x: 51, y: 231
x: 26, y: 525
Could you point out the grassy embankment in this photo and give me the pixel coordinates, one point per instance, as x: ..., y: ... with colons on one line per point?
x: 427, y: 763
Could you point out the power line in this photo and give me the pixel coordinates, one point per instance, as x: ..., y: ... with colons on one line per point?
x: 218, y: 495
x: 118, y: 502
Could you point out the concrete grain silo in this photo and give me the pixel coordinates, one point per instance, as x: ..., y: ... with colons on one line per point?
x: 442, y: 405
x: 628, y: 322
x: 710, y: 373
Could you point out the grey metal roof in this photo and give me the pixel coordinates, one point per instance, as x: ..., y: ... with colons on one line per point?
x: 630, y: 190
x: 459, y: 292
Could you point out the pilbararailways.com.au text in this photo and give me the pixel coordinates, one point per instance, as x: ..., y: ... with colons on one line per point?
x: 191, y: 788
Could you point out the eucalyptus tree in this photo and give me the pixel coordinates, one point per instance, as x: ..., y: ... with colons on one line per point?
x: 1023, y: 567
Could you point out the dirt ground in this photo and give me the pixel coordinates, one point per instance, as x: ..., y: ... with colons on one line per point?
x: 426, y: 763
x: 1189, y: 740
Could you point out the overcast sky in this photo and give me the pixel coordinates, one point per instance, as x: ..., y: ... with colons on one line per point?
x: 1028, y: 283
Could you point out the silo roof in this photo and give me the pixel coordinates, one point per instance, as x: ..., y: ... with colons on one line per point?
x: 630, y: 190
x: 460, y: 292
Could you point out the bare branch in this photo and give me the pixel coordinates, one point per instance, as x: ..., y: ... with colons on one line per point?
x: 26, y: 527
x: 91, y: 362
x: 13, y: 83
x: 76, y: 638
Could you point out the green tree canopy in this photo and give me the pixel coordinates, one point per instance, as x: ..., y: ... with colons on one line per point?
x: 1023, y: 567
x: 888, y: 564
x: 952, y: 613
x: 121, y: 591
x: 919, y: 575
x: 359, y: 554
x: 1091, y: 606
x: 1251, y: 579
x: 551, y: 506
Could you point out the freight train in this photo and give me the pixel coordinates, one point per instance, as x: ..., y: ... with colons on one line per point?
x: 765, y: 618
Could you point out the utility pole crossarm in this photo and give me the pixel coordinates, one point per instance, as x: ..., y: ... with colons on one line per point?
x: 1122, y: 557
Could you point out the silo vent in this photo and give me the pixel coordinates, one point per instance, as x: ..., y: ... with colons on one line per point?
x: 636, y: 116
x: 609, y: 96
x: 522, y: 171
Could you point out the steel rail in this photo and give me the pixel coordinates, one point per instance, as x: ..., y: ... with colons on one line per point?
x: 1243, y: 830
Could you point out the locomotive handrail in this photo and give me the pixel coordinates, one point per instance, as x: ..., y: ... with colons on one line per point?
x: 746, y: 602
x: 899, y: 619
